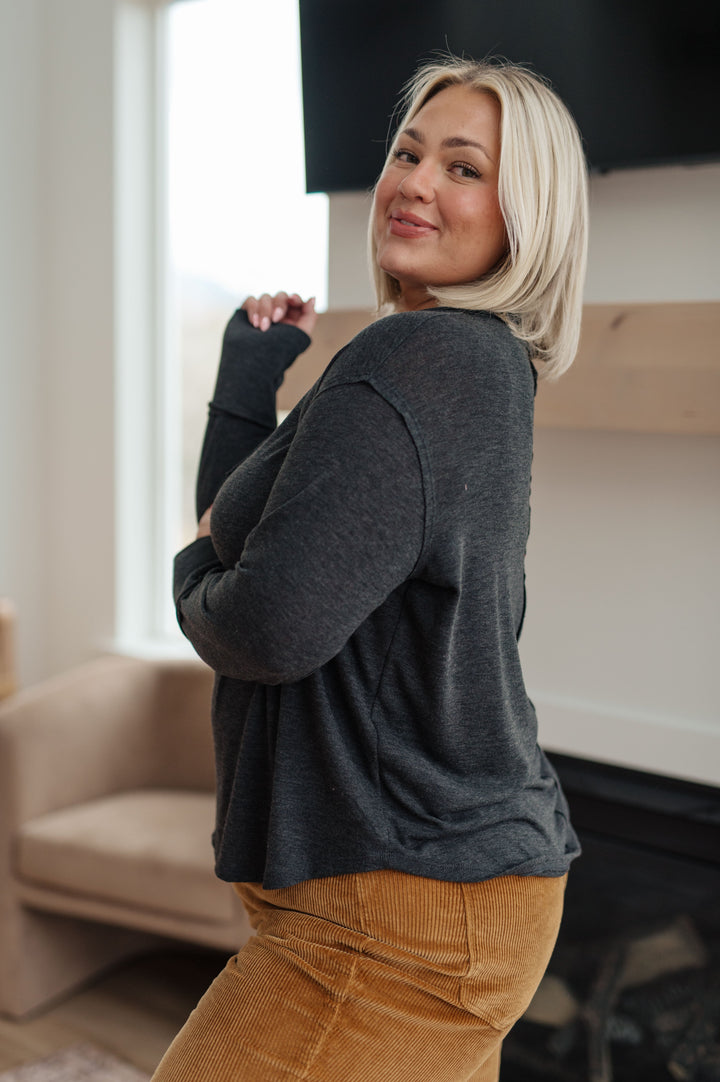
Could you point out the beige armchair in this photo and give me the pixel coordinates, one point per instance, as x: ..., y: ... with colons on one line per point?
x: 106, y: 812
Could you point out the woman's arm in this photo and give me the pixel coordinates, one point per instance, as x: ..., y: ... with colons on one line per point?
x: 343, y: 527
x: 261, y: 341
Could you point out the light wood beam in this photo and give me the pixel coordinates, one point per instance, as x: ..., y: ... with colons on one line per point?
x: 640, y: 368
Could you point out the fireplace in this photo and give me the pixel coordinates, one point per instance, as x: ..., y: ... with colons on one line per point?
x: 632, y: 993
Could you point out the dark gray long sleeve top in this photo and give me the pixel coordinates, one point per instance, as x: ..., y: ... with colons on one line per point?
x: 361, y: 600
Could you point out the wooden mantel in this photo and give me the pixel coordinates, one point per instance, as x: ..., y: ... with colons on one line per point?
x: 640, y: 368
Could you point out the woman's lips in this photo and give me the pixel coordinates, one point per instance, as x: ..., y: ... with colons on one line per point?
x: 409, y: 225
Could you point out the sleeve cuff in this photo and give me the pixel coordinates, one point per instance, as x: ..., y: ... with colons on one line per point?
x: 198, y: 555
x: 294, y: 337
x: 252, y: 367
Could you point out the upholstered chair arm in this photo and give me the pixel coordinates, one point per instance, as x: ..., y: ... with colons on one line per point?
x: 95, y: 731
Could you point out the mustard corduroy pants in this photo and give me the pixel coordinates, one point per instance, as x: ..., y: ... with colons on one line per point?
x: 373, y: 977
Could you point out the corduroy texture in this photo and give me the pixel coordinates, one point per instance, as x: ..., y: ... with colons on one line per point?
x: 374, y: 977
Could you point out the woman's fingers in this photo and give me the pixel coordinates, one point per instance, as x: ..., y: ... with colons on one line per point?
x: 249, y: 305
x: 273, y: 309
x: 265, y: 311
x: 307, y: 317
x: 278, y: 308
x: 259, y: 310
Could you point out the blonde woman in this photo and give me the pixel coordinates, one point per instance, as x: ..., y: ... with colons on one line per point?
x: 399, y: 839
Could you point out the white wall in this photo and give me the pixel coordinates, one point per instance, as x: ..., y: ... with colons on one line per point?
x: 655, y: 235
x: 78, y: 331
x: 623, y: 624
x: 23, y: 402
x: 58, y: 225
x: 623, y: 627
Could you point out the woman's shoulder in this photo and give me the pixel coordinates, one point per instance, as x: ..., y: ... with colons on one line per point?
x: 436, y: 365
x: 441, y: 322
x: 451, y: 336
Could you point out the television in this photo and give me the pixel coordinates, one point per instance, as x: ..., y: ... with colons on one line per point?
x: 641, y: 77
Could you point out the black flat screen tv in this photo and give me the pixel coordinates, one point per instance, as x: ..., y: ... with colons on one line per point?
x: 641, y: 77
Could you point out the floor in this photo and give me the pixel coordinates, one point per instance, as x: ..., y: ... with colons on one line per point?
x: 133, y: 1011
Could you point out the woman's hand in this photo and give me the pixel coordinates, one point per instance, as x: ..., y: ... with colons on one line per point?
x: 203, y: 529
x: 282, y: 308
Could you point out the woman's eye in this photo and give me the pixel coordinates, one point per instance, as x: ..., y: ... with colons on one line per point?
x: 465, y: 170
x: 405, y: 156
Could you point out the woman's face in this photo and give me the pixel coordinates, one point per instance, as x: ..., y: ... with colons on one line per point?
x: 436, y: 215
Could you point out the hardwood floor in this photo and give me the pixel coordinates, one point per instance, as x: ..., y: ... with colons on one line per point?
x: 133, y: 1011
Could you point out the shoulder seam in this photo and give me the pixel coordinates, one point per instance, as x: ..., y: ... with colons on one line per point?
x: 389, y: 394
x: 377, y: 361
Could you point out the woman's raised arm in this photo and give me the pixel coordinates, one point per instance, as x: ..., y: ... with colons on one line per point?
x: 252, y: 366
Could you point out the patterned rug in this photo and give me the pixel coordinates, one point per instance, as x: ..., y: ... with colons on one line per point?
x: 80, y: 1063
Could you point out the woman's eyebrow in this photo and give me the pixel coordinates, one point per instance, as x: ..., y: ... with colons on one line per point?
x: 413, y: 133
x: 463, y: 141
x: 452, y: 141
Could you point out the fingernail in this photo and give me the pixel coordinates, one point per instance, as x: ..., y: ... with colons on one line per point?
x: 264, y: 323
x: 277, y: 314
x: 256, y: 320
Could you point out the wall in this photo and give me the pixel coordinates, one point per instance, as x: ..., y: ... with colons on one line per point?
x: 57, y: 282
x: 23, y: 403
x: 621, y: 634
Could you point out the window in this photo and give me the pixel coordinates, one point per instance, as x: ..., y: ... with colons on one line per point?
x: 239, y: 219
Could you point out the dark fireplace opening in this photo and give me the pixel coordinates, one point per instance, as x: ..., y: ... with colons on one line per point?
x: 632, y: 992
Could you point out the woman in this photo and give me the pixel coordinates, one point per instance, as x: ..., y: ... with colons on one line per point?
x: 397, y: 836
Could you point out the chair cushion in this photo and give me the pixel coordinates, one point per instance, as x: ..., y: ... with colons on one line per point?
x: 147, y: 848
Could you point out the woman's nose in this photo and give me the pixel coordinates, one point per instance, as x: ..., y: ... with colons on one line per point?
x: 418, y: 183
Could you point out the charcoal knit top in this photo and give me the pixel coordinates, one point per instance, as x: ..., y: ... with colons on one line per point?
x: 361, y: 600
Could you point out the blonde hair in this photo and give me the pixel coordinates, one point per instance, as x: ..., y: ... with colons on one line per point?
x: 537, y: 287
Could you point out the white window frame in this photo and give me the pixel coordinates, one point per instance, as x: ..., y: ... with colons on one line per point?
x: 147, y: 400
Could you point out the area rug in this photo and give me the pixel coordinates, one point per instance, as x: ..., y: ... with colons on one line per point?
x: 79, y: 1063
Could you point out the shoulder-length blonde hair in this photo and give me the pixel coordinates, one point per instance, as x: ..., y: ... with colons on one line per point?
x: 537, y: 287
